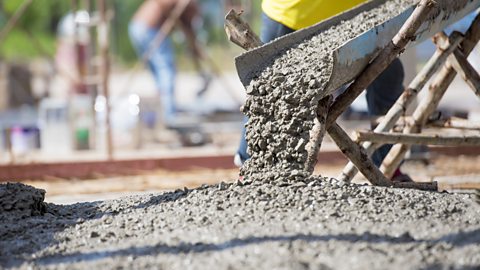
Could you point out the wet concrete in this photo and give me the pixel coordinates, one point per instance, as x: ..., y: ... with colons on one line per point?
x: 21, y: 200
x: 311, y: 224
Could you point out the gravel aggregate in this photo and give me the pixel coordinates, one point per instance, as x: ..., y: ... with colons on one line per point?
x: 317, y: 223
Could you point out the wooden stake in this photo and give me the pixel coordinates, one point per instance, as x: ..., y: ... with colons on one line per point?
x: 456, y: 123
x: 426, y: 186
x: 358, y: 156
x: 318, y: 132
x: 436, y: 91
x: 239, y: 32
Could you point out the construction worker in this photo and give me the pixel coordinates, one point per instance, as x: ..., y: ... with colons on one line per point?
x: 281, y: 17
x: 144, y: 28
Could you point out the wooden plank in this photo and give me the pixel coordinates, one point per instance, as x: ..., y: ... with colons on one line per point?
x: 426, y: 186
x: 411, y: 139
x: 239, y: 32
x: 358, y: 156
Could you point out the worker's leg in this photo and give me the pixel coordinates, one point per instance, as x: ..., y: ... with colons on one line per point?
x: 161, y: 63
x: 270, y: 31
x: 381, y: 95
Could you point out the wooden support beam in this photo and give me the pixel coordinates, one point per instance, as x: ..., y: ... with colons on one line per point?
x: 436, y: 91
x: 358, y: 156
x: 408, y: 96
x: 406, y: 34
x: 453, y: 122
x: 318, y: 132
x: 239, y: 32
x: 426, y: 186
x: 391, y: 138
x: 466, y: 71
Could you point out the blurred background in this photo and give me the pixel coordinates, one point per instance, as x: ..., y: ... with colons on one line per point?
x: 53, y: 99
x: 62, y: 62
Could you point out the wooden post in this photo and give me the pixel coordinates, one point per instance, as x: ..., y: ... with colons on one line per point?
x: 426, y: 186
x: 318, y: 132
x: 456, y: 123
x: 436, y: 91
x: 103, y: 44
x: 408, y: 97
x: 239, y: 32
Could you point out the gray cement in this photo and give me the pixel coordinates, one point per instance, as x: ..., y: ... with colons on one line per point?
x: 311, y: 224
x: 21, y: 200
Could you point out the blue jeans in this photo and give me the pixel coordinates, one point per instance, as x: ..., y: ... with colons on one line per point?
x: 381, y: 94
x: 161, y: 64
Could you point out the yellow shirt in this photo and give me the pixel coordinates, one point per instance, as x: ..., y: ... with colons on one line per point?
x: 298, y: 14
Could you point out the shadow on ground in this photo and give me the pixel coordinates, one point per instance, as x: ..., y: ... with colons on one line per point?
x: 456, y: 240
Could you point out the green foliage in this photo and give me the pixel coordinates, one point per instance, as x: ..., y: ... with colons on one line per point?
x: 18, y: 45
x: 42, y: 17
x: 121, y: 45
